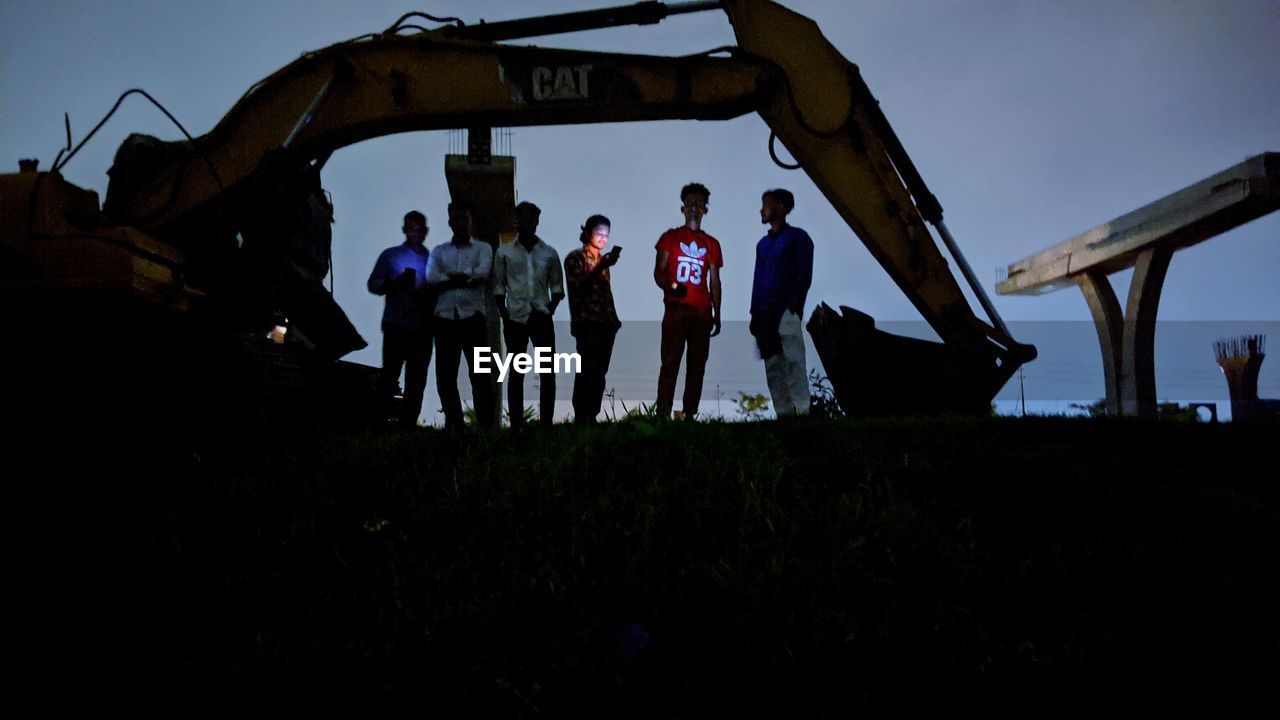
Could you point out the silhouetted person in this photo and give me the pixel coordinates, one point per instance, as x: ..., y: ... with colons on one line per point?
x: 687, y: 268
x: 594, y: 321
x: 400, y: 275
x: 784, y: 271
x: 459, y: 270
x: 528, y: 285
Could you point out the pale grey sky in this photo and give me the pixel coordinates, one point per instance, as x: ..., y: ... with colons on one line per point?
x: 1031, y: 121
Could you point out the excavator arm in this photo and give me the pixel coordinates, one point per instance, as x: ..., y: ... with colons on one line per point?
x: 365, y: 89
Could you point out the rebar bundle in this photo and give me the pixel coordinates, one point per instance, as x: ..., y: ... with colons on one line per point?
x: 1241, y: 359
x: 1240, y: 347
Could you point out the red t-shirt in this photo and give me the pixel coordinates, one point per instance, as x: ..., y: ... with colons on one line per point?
x: 690, y: 257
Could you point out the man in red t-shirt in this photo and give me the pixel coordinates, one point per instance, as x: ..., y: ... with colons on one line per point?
x: 688, y: 271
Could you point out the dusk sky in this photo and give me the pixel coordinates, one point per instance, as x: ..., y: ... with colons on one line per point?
x: 1031, y: 122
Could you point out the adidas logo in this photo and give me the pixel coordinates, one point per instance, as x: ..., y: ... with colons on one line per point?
x: 692, y: 250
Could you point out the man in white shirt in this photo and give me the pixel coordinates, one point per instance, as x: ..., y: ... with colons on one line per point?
x: 528, y: 285
x: 459, y: 270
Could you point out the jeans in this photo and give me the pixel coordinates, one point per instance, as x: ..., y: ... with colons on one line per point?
x: 683, y: 325
x: 454, y: 339
x: 595, y: 347
x: 411, y: 351
x: 786, y: 373
x: 541, y: 330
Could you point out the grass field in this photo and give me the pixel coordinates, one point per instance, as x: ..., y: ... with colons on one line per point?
x: 813, y: 568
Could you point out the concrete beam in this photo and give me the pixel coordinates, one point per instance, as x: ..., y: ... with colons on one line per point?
x: 1192, y: 215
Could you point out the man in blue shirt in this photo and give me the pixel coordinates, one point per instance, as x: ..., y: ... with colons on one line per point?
x: 784, y: 271
x: 400, y: 275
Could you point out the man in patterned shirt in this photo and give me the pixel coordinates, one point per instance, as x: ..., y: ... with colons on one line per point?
x: 687, y: 268
x: 594, y: 320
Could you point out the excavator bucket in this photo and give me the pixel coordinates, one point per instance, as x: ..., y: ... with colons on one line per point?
x: 877, y: 373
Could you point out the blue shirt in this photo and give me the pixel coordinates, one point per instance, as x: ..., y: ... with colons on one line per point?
x: 784, y: 271
x: 406, y: 307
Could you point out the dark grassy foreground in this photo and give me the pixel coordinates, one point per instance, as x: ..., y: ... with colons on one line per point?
x: 1000, y: 567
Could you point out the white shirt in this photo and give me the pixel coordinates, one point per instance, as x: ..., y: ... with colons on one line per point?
x: 474, y: 260
x: 527, y: 278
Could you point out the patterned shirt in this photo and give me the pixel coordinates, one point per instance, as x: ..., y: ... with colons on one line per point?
x: 590, y: 294
x: 690, y: 256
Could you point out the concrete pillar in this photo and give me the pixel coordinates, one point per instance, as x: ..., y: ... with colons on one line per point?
x: 1128, y: 336
x: 1108, y: 319
x: 1139, y: 349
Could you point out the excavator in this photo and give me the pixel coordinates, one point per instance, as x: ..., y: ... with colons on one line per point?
x: 223, y: 234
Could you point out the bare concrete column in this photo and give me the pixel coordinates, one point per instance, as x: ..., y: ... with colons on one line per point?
x: 1138, y: 373
x: 1108, y: 320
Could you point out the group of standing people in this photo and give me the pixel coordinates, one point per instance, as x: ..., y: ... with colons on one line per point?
x: 440, y: 295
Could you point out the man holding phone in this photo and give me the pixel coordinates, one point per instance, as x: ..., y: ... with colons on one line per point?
x: 594, y: 320
x: 687, y: 268
x: 400, y: 275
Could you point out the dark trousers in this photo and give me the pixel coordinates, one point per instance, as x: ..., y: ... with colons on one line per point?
x: 595, y: 347
x: 541, y: 330
x: 412, y: 352
x: 683, y: 325
x: 456, y: 339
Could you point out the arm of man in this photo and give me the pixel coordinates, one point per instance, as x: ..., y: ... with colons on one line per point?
x: 608, y: 260
x: 555, y: 281
x: 713, y: 281
x: 479, y: 273
x: 500, y: 283
x: 803, y: 277
x: 660, y: 270
x: 380, y: 278
x: 573, y: 272
x: 437, y: 277
x: 500, y: 273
